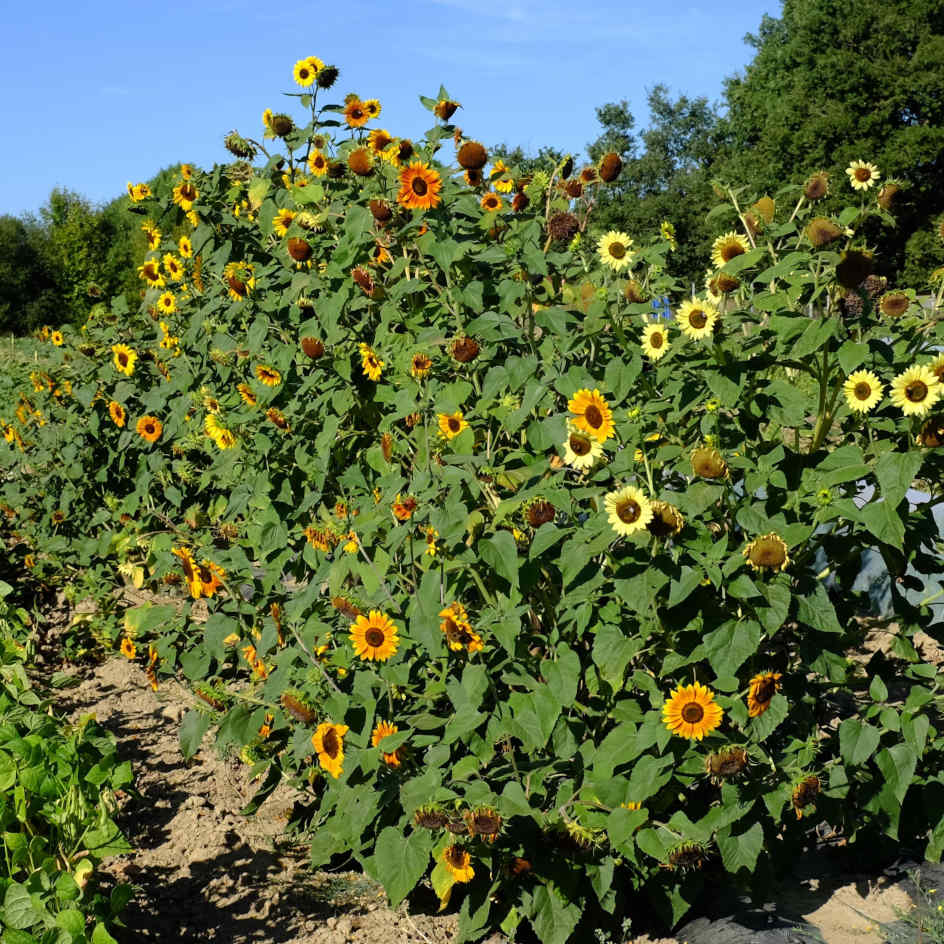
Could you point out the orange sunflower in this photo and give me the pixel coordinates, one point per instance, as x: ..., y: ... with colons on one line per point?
x: 592, y: 414
x: 268, y: 375
x: 382, y: 730
x: 374, y: 636
x: 328, y: 741
x: 420, y: 187
x: 117, y: 413
x: 763, y: 688
x: 355, y: 114
x: 150, y: 428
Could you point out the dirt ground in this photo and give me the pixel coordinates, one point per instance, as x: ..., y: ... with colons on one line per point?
x: 204, y: 872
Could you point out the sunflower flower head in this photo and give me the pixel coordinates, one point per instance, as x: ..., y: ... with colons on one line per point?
x: 615, y: 250
x: 691, y: 711
x: 862, y: 175
x: 592, y: 414
x: 728, y: 247
x: 371, y: 364
x: 328, y: 741
x: 697, y: 319
x: 767, y: 553
x: 628, y: 510
x: 458, y: 863
x: 762, y: 689
x: 863, y: 391
x: 655, y: 340
x: 915, y: 390
x: 374, y: 636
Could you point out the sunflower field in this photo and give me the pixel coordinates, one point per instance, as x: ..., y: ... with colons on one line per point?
x: 546, y: 601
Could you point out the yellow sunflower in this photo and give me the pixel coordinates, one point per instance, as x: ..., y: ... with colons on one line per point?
x: 124, y: 358
x: 581, y: 450
x: 863, y: 391
x: 915, y: 390
x: 708, y: 463
x: 768, y: 552
x: 185, y: 195
x: 128, y: 649
x: 455, y: 626
x: 374, y: 636
x: 592, y: 414
x: 379, y: 140
x: 304, y: 72
x: 382, y: 730
x: 727, y: 247
x: 117, y: 413
x: 420, y: 365
x: 173, y: 267
x: 167, y: 303
x: 451, y: 424
x: 628, y: 510
x: 240, y: 278
x: 153, y: 234
x: 247, y: 394
x: 458, y: 863
x: 862, y: 175
x: 268, y: 375
x: 57, y: 338
x: 282, y: 221
x: 328, y: 741
x: 420, y: 187
x: 150, y: 271
x: 655, y: 340
x: 696, y: 318
x: 491, y: 202
x: 691, y: 711
x: 372, y: 106
x: 937, y: 368
x: 371, y: 364
x: 615, y: 250
x: 318, y: 163
x: 355, y: 114
x: 763, y: 687
x: 150, y: 428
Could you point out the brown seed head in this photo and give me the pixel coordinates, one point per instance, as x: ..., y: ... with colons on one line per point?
x: 520, y: 202
x: 465, y: 349
x: 361, y: 162
x: 611, y: 165
x: 540, y: 513
x: 282, y: 125
x: 380, y: 210
x: 299, y: 249
x: 472, y: 156
x: 821, y: 231
x: 313, y: 347
x: 562, y: 226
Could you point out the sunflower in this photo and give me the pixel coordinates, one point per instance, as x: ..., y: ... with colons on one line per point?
x: 726, y: 763
x: 666, y: 520
x: 150, y: 428
x: 379, y: 140
x: 863, y: 391
x: 167, y: 303
x: 403, y: 508
x: 355, y: 114
x: 382, y: 730
x: 457, y: 862
x: 451, y: 424
x: 816, y: 186
x: 628, y: 510
x: 150, y: 271
x: 915, y: 390
x: 708, y: 463
x: 932, y: 432
x: 763, y: 687
x: 57, y: 338
x: 592, y: 414
x: 419, y: 187
x: 862, y: 175
x: 240, y: 278
x: 185, y: 195
x: 821, y: 231
x: 581, y: 450
x: 615, y: 250
x: 304, y: 72
x: 420, y: 365
x: 117, y: 413
x: 727, y: 247
x: 374, y: 636
x: 373, y: 107
x: 455, y: 626
x: 247, y: 394
x: 152, y: 233
x: 491, y: 202
x: 937, y: 368
x: 361, y: 162
x: 804, y: 793
x: 655, y: 340
x: 124, y: 358
x: 691, y: 711
x: 211, y: 577
x: 328, y: 741
x: 894, y: 304
x: 371, y: 364
x: 768, y: 552
x: 697, y: 318
x: 282, y: 221
x: 128, y: 649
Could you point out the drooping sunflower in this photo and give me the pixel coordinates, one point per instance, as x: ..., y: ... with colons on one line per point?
x: 655, y: 340
x: 821, y: 231
x: 355, y: 114
x: 458, y: 863
x: 371, y: 364
x: 727, y: 247
x: 805, y: 793
x: 697, y: 318
x: 592, y: 414
x: 451, y: 424
x: 615, y: 250
x: 150, y: 428
x: 862, y: 175
x: 915, y: 390
x: 282, y: 221
x: 374, y: 636
x: 691, y: 711
x: 117, y: 413
x: 708, y: 463
x: 420, y: 187
x: 382, y: 730
x: 628, y: 510
x: 762, y: 689
x: 124, y: 358
x: 167, y: 303
x: 328, y: 741
x: 185, y: 195
x: 150, y: 271
x: 726, y: 763
x: 816, y: 186
x: 247, y: 394
x: 863, y: 391
x: 268, y: 375
x: 581, y: 450
x: 932, y: 432
x: 768, y: 552
x: 491, y: 202
x: 894, y: 304
x: 403, y: 508
x: 666, y: 521
x: 240, y: 278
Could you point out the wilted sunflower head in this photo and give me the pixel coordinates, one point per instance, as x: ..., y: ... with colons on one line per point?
x: 282, y: 125
x: 540, y: 512
x: 327, y: 77
x: 887, y: 195
x: 894, y: 304
x: 299, y: 249
x: 633, y: 293
x: 430, y: 817
x: 821, y: 231
x: 816, y: 186
x: 686, y: 857
x: 611, y: 164
x: 561, y: 227
x: 932, y: 432
x: 708, y: 463
x: 666, y: 520
x: 854, y: 267
x: 464, y: 349
x: 804, y: 793
x: 484, y: 822
x: 726, y: 763
x: 238, y: 146
x: 768, y: 552
x: 472, y: 156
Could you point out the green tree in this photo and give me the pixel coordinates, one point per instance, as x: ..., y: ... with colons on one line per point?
x: 834, y: 82
x: 28, y: 291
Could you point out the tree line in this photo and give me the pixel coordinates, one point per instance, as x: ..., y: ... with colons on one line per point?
x: 829, y: 83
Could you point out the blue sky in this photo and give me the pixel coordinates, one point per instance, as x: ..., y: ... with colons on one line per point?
x: 101, y: 92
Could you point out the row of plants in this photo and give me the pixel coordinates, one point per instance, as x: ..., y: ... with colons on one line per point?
x: 58, y: 785
x: 544, y: 600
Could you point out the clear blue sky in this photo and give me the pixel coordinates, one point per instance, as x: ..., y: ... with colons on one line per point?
x: 99, y: 92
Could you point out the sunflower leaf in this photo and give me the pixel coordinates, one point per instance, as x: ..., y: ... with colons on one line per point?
x: 398, y: 863
x: 857, y: 741
x: 741, y: 851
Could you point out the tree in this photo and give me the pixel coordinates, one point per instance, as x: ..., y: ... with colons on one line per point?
x: 834, y: 82
x: 28, y: 295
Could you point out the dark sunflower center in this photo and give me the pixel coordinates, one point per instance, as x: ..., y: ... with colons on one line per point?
x: 863, y: 174
x: 593, y: 416
x: 419, y: 186
x: 692, y: 713
x: 617, y: 250
x: 330, y: 743
x: 765, y: 690
x: 656, y: 339
x: 769, y: 555
x: 123, y: 359
x: 698, y: 319
x: 862, y: 391
x: 579, y: 445
x: 628, y: 511
x: 731, y: 250
x: 453, y: 424
x: 916, y: 391
x: 455, y: 857
x: 374, y: 637
x: 149, y: 429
